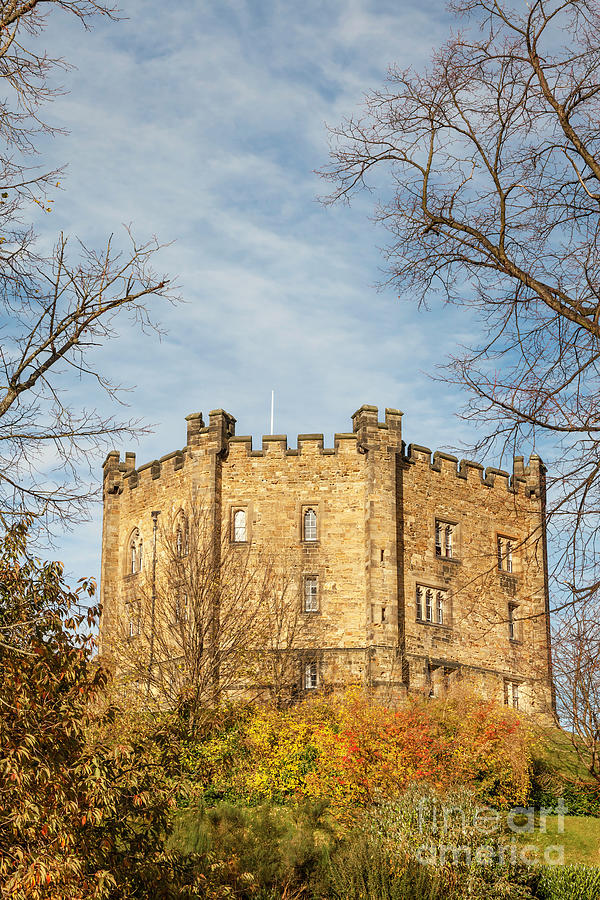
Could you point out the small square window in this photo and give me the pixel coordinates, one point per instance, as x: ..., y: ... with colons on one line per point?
x: 445, y: 543
x: 311, y: 594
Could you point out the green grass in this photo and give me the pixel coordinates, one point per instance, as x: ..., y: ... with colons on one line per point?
x: 580, y: 839
x: 555, y: 748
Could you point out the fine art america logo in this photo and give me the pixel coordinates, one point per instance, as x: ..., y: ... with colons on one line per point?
x: 488, y: 836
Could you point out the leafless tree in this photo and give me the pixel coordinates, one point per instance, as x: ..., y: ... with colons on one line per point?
x: 488, y: 168
x: 282, y: 637
x: 577, y: 667
x: 214, y: 619
x: 55, y: 308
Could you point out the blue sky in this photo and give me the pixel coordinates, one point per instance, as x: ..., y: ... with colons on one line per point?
x: 203, y: 123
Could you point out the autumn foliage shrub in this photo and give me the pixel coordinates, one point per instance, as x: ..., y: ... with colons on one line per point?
x: 352, y: 752
x: 82, y: 817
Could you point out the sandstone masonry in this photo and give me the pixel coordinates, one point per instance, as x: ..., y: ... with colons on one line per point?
x: 422, y: 569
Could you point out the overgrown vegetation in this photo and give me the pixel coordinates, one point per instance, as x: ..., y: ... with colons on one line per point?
x: 332, y: 798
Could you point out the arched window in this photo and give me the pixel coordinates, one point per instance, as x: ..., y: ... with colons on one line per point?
x: 239, y: 525
x: 419, y: 602
x: 309, y: 528
x: 134, y: 553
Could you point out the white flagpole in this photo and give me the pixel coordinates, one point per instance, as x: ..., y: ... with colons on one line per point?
x: 272, y: 408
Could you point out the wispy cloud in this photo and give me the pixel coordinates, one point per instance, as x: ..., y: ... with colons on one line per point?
x: 204, y: 123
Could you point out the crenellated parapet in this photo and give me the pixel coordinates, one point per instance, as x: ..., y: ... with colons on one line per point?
x: 527, y: 480
x: 368, y: 434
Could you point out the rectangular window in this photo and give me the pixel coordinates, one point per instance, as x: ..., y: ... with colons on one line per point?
x: 310, y: 676
x: 309, y: 525
x: 311, y: 594
x: 445, y: 533
x: 511, y: 694
x: 504, y: 551
x: 239, y: 529
x: 431, y: 605
x: 439, y: 607
x: 182, y: 606
x: 134, y: 613
x: 419, y: 603
x: 383, y: 615
x: 512, y: 625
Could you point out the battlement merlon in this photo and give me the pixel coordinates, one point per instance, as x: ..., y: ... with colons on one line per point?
x: 371, y: 432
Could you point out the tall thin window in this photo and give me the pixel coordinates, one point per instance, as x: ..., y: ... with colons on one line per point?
x: 179, y: 541
x: 134, y: 553
x: 135, y: 613
x: 311, y: 594
x: 419, y: 602
x: 444, y: 539
x: 511, y: 694
x: 505, y: 554
x: 310, y: 525
x: 448, y: 539
x: 182, y: 607
x: 429, y: 606
x: 439, y: 607
x: 239, y: 526
x: 509, y: 564
x: 310, y: 676
x: 512, y: 628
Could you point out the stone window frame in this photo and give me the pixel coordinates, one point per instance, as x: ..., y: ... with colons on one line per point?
x: 182, y: 536
x: 310, y: 673
x: 134, y: 542
x: 301, y: 510
x: 512, y: 690
x: 305, y: 577
x: 430, y: 584
x: 133, y: 609
x: 182, y: 606
x: 456, y: 526
x: 515, y: 562
x: 514, y: 625
x: 241, y: 506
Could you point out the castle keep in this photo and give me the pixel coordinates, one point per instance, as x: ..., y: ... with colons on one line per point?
x: 411, y: 569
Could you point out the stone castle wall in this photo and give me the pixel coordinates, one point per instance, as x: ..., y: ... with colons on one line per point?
x: 376, y: 506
